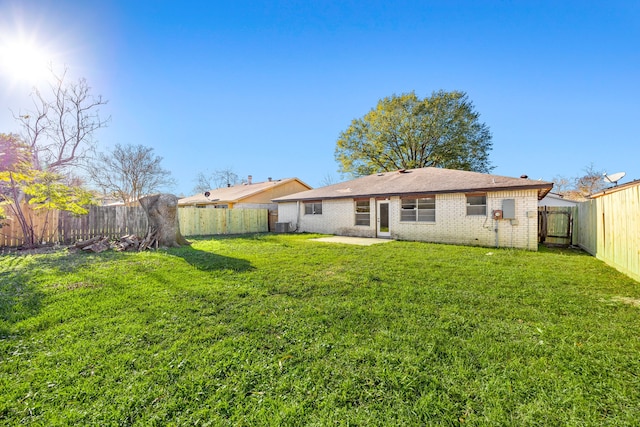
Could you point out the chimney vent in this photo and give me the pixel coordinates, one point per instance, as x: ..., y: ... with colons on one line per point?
x: 249, y: 178
x: 270, y: 179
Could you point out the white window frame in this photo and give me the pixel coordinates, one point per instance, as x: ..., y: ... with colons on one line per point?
x: 362, y: 212
x: 476, y: 204
x: 313, y: 208
x: 418, y: 209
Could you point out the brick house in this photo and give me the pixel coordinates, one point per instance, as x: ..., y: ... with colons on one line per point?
x: 428, y: 204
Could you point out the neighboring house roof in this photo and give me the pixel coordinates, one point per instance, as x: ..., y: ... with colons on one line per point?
x: 615, y: 188
x: 237, y: 193
x: 554, y: 199
x: 419, y: 181
x: 107, y: 200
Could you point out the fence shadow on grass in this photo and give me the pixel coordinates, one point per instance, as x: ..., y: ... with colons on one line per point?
x: 19, y: 300
x: 209, y: 261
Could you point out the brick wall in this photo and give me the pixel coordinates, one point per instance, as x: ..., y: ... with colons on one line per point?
x: 452, y: 224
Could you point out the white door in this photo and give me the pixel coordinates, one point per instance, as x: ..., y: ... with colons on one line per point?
x: 383, y: 219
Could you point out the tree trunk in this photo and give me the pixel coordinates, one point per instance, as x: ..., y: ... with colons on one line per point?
x: 28, y: 232
x: 164, y: 228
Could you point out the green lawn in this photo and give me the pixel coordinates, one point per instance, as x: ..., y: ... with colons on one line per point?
x: 282, y: 330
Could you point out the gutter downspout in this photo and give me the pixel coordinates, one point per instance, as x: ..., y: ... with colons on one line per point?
x: 298, y: 215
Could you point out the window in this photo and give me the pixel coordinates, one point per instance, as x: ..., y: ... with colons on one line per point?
x: 313, y: 208
x: 419, y: 209
x: 363, y: 210
x: 476, y: 204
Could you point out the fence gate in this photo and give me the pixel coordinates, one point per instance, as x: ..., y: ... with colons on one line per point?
x: 555, y: 225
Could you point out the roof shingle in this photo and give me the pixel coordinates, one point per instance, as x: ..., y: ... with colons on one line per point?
x: 429, y: 180
x: 233, y: 194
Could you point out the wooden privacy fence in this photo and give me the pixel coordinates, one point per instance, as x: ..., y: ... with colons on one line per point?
x: 108, y: 221
x: 117, y: 221
x: 609, y: 228
x: 44, y: 223
x: 203, y: 222
x: 52, y: 226
x: 606, y: 226
x: 587, y: 226
x: 556, y: 224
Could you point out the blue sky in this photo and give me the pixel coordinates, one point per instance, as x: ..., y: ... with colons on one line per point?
x: 265, y: 87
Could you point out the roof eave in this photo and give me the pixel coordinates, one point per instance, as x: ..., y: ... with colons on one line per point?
x: 543, y: 189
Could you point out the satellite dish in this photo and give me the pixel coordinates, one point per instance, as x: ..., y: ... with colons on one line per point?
x: 614, y: 177
x: 207, y: 194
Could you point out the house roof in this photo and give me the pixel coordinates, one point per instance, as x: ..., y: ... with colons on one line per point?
x: 236, y: 193
x: 419, y: 181
x: 559, y: 198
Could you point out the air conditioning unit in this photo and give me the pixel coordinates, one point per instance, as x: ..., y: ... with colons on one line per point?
x: 282, y: 227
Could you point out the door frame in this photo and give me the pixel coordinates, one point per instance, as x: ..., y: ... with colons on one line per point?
x: 379, y: 207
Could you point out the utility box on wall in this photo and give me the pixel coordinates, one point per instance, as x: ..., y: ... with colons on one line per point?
x: 509, y: 209
x: 282, y: 227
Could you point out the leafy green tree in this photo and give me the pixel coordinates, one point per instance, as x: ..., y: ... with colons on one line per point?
x: 21, y: 183
x: 14, y: 171
x: 406, y: 132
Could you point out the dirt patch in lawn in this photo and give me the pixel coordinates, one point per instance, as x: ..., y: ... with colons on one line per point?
x: 626, y: 300
x: 44, y: 249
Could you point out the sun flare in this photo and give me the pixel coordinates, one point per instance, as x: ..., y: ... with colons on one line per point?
x: 23, y: 60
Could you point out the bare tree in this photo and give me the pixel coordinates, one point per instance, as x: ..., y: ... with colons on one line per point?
x: 561, y: 184
x: 591, y: 182
x: 60, y: 128
x: 226, y: 177
x: 130, y: 172
x: 329, y: 180
x: 219, y: 178
x: 203, y: 183
x: 58, y: 135
x: 580, y: 187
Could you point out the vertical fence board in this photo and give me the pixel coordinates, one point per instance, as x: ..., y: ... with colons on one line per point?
x: 609, y: 229
x: 273, y: 219
x: 556, y: 224
x: 64, y: 227
x: 43, y: 221
x: 204, y: 222
x: 587, y: 226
